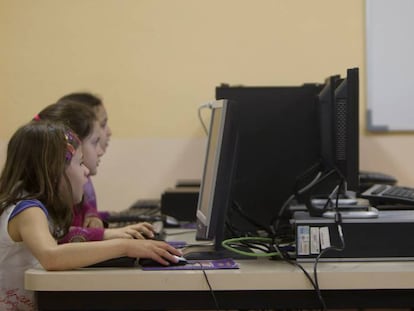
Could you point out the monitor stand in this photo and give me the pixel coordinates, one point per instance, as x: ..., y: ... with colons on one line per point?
x: 353, y: 213
x: 339, y: 200
x: 349, y: 208
x: 211, y: 252
x: 351, y: 201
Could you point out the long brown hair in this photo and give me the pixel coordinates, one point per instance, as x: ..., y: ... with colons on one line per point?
x: 79, y: 117
x: 85, y: 98
x: 37, y: 156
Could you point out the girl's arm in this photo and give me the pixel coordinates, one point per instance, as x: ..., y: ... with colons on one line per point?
x: 31, y: 227
x: 81, y: 234
x: 140, y: 230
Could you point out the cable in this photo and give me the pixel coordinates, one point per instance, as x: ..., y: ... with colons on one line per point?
x: 276, y: 220
x: 209, y: 286
x: 201, y: 107
x: 249, y: 219
x: 338, y: 222
x: 229, y: 244
x: 306, y: 173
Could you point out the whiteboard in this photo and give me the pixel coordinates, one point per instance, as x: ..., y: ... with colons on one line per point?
x: 390, y: 65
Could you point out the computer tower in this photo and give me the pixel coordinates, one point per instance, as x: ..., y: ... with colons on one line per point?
x: 382, y: 238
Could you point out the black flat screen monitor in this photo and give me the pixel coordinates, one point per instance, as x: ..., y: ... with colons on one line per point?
x: 339, y: 127
x: 325, y: 104
x: 215, y: 188
x: 278, y: 139
x: 338, y: 111
x: 347, y: 129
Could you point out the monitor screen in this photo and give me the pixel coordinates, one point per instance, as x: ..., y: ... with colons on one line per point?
x: 325, y: 104
x: 339, y: 127
x: 215, y: 188
x: 347, y: 129
x: 278, y: 139
x: 338, y: 111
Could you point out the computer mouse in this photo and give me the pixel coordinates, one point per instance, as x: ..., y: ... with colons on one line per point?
x: 181, y: 260
x: 171, y: 222
x: 148, y: 262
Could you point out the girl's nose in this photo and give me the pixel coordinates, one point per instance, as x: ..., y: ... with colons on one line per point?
x: 86, y: 170
x: 99, y: 150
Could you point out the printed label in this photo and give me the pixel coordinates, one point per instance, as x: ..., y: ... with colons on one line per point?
x: 314, y: 240
x: 303, y: 240
x: 324, y: 237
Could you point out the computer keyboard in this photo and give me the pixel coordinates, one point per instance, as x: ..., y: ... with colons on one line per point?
x: 388, y: 194
x: 130, y: 217
x: 368, y: 179
x: 154, y: 204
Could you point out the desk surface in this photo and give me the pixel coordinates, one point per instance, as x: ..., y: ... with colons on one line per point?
x: 259, y: 283
x: 261, y: 274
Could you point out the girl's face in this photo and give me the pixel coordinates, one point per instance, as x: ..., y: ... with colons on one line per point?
x: 103, y: 123
x: 77, y: 173
x: 92, y: 149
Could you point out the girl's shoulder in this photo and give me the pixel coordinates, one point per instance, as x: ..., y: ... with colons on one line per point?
x: 25, y: 204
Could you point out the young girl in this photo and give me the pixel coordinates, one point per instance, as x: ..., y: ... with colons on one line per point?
x: 43, y: 177
x: 97, y: 105
x: 82, y: 120
x: 92, y: 217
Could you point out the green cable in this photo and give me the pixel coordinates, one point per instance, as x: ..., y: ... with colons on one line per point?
x: 250, y: 239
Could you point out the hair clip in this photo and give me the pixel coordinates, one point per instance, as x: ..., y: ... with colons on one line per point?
x: 68, y: 136
x: 36, y: 117
x: 72, y: 141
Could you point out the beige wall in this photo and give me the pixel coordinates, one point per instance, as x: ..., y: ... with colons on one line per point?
x: 155, y: 61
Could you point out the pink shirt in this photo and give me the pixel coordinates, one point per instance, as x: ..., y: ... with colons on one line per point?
x: 88, y: 208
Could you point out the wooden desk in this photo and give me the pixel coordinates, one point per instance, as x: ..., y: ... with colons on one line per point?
x: 257, y: 284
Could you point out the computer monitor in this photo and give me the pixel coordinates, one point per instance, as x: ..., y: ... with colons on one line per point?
x: 347, y: 129
x: 215, y: 188
x: 325, y: 106
x: 338, y: 111
x: 278, y: 139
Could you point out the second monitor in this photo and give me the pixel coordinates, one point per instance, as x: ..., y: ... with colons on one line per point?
x: 262, y: 141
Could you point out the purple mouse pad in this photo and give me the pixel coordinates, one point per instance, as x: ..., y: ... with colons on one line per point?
x: 216, y: 264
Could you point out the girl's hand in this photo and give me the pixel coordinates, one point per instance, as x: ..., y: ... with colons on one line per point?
x: 93, y: 222
x: 140, y: 231
x: 159, y: 251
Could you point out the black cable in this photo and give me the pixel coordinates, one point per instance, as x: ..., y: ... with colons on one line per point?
x: 286, y: 258
x: 259, y: 246
x: 338, y: 221
x: 249, y: 219
x: 275, y: 222
x: 210, y: 287
x: 235, y: 232
x: 306, y: 174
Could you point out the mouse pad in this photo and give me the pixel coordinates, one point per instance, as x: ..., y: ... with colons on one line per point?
x: 216, y: 264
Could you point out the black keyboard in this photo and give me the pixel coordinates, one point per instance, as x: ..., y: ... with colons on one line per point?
x: 388, y: 194
x: 368, y: 179
x: 130, y: 217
